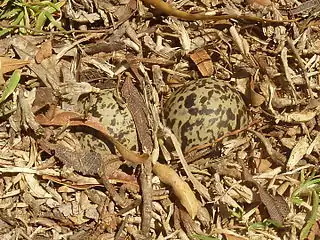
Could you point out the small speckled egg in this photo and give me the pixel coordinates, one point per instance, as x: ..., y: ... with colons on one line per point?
x: 117, y: 120
x: 204, y: 110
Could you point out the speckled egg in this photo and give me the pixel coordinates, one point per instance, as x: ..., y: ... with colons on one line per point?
x: 204, y: 110
x: 116, y: 119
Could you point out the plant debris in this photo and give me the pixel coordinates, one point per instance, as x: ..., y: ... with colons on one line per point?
x: 262, y: 183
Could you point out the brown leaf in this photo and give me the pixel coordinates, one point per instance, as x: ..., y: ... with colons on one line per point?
x: 48, y: 71
x: 262, y: 165
x: 233, y: 237
x: 125, y: 11
x: 314, y: 232
x: 103, y: 46
x: 189, y: 224
x: 44, y: 52
x: 180, y: 188
x: 28, y: 120
x: 72, y: 184
x: 203, y: 61
x: 10, y: 64
x: 139, y: 112
x: 260, y: 2
x: 44, y: 97
x: 298, y: 151
x: 277, y: 207
x: 85, y: 162
x: 256, y: 98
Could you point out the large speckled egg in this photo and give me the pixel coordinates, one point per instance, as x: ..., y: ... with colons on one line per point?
x: 116, y: 119
x: 204, y: 110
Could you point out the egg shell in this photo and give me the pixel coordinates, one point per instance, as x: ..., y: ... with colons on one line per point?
x: 204, y: 110
x: 116, y: 119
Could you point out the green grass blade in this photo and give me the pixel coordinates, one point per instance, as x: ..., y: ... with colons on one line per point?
x: 10, y: 14
x: 54, y: 22
x: 41, y: 20
x: 46, y: 14
x: 4, y: 3
x: 313, y: 216
x: 307, y: 185
x: 15, y: 22
x: 12, y: 84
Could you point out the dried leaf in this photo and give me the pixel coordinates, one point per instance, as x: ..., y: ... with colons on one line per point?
x: 44, y: 97
x: 10, y: 64
x: 306, y: 7
x: 298, y: 117
x: 276, y: 156
x: 180, y: 187
x: 44, y: 52
x: 277, y: 207
x: 288, y: 142
x: 105, y: 47
x: 238, y: 40
x: 203, y: 61
x: 35, y: 189
x: 227, y: 232
x: 48, y: 71
x: 26, y: 99
x: 87, y: 163
x: 233, y: 237
x: 262, y: 165
x: 315, y: 144
x: 256, y: 98
x: 139, y: 112
x: 260, y: 2
x: 125, y: 11
x: 298, y: 152
x: 81, y: 184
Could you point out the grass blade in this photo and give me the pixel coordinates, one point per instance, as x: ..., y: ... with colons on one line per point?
x: 12, y: 84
